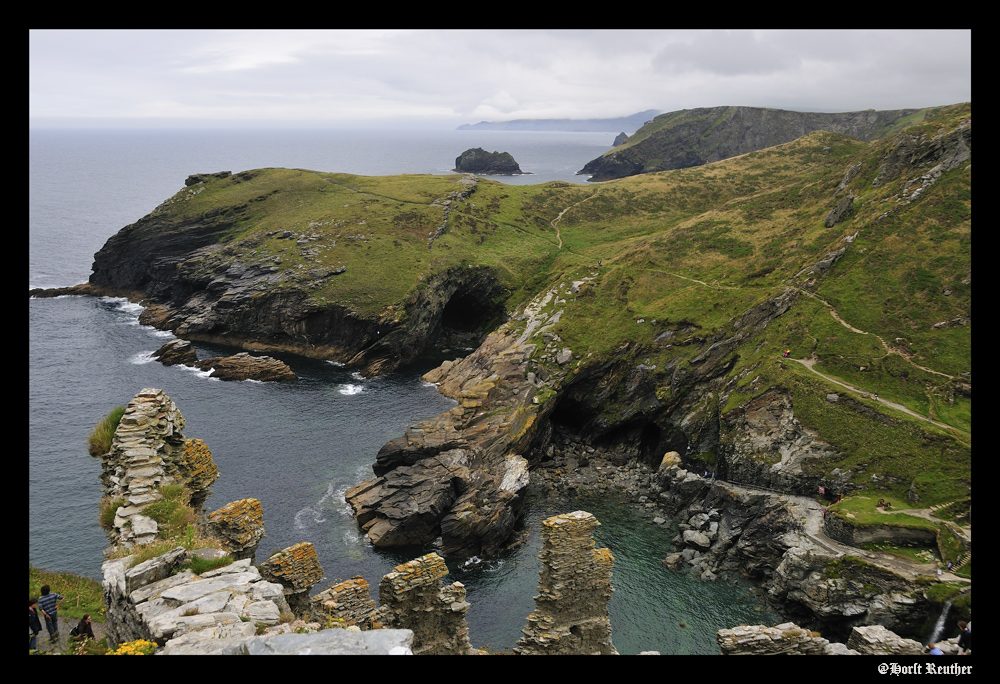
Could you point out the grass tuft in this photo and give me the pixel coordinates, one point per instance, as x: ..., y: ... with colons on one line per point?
x: 99, y: 442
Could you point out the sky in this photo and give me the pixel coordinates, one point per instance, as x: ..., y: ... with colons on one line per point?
x: 444, y: 78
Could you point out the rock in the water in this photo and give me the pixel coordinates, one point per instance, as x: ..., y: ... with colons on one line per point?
x: 478, y: 160
x: 242, y: 366
x: 176, y: 352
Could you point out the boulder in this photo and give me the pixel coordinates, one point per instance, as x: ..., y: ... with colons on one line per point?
x: 176, y: 352
x: 243, y: 366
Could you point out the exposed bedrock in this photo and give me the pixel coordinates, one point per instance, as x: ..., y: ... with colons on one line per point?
x: 460, y: 475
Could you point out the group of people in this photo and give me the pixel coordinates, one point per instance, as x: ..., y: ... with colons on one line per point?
x: 48, y: 603
x: 964, y: 641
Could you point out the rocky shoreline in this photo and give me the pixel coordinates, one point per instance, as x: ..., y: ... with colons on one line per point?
x: 775, y: 541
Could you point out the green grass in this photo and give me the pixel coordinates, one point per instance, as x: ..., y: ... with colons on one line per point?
x: 199, y: 565
x: 862, y: 509
x: 107, y: 508
x: 173, y: 513
x: 99, y: 442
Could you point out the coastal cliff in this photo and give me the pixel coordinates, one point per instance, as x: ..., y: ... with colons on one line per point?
x: 692, y: 137
x: 719, y: 313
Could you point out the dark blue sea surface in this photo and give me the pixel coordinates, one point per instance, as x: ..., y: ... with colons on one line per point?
x: 296, y: 447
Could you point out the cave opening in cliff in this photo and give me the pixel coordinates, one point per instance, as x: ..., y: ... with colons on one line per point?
x: 467, y: 319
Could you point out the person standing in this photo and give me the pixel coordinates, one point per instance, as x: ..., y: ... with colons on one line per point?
x: 49, y: 605
x: 964, y: 638
x: 34, y: 624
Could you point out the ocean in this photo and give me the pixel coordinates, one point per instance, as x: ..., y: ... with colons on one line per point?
x: 296, y: 447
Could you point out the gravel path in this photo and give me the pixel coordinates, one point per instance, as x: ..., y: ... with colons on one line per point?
x: 65, y: 625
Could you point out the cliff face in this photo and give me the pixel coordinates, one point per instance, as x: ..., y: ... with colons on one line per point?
x: 200, y: 286
x: 693, y: 137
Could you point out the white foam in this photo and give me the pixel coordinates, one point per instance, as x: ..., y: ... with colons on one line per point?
x: 308, y: 516
x: 351, y: 389
x: 141, y: 358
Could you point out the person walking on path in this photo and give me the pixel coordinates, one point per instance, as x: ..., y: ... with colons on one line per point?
x: 34, y: 624
x: 49, y: 605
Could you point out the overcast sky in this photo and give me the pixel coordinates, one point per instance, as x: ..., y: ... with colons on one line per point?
x: 444, y: 78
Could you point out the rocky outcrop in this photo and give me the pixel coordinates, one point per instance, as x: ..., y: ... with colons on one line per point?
x: 160, y: 601
x: 783, y: 639
x: 297, y: 569
x: 766, y: 537
x: 877, y: 640
x: 240, y: 526
x: 176, y: 352
x: 574, y: 588
x: 241, y: 366
x: 839, y: 212
x: 410, y: 598
x: 220, y: 612
x: 348, y: 601
x: 461, y: 475
x: 763, y: 443
x: 693, y: 137
x: 940, y: 153
x: 147, y: 452
x: 836, y: 593
x: 478, y: 160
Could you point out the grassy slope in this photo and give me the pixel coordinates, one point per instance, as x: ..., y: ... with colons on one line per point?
x: 685, y: 250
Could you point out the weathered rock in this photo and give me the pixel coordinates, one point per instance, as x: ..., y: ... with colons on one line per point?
x: 410, y: 598
x: 460, y: 475
x: 243, y: 366
x: 877, y: 640
x: 840, y: 212
x: 349, y: 601
x: 240, y: 524
x: 218, y: 613
x: 147, y: 452
x: 297, y: 569
x: 784, y: 639
x: 176, y: 352
x: 574, y: 588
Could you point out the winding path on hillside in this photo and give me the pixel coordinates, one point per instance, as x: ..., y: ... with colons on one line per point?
x: 554, y: 222
x: 810, y: 513
x: 889, y: 349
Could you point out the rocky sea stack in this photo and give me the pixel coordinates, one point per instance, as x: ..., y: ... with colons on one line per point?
x: 478, y: 160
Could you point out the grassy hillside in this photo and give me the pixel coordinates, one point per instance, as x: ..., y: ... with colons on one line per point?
x: 683, y: 252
